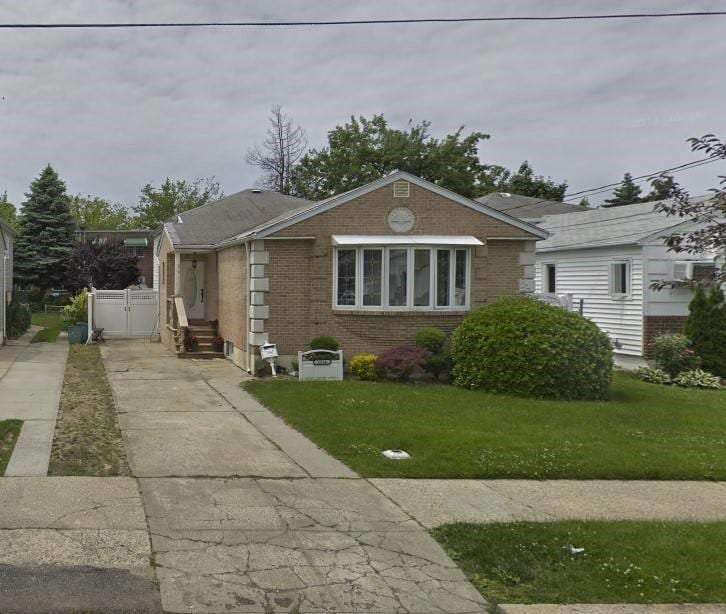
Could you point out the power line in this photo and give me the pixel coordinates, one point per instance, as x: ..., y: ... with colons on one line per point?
x: 356, y: 22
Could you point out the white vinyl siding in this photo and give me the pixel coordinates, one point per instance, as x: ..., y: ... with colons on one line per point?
x: 586, y: 274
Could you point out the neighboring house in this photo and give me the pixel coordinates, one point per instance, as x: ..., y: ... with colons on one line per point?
x: 7, y: 236
x: 137, y: 242
x: 608, y: 258
x: 369, y: 267
x: 527, y: 208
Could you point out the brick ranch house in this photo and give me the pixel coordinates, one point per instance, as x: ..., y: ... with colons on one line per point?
x: 369, y: 267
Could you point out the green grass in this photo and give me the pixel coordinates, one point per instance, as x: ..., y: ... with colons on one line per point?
x: 9, y: 431
x: 53, y: 324
x: 87, y: 437
x: 623, y: 562
x: 645, y: 431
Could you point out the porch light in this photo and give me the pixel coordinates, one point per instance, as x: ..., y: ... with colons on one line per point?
x: 194, y: 263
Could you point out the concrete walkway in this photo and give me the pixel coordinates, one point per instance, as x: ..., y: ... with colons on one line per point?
x: 247, y: 515
x: 437, y: 502
x: 31, y: 380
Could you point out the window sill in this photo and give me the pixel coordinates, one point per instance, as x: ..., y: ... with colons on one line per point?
x: 401, y: 312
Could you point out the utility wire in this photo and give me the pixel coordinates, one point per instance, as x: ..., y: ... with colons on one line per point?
x: 359, y: 22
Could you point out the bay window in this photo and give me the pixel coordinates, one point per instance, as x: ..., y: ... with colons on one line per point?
x: 400, y: 278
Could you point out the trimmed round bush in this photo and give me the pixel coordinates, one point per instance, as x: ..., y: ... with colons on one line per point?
x: 431, y: 338
x: 325, y: 342
x: 364, y: 366
x: 522, y: 346
x: 673, y: 354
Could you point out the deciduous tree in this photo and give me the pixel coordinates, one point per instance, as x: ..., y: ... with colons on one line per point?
x: 174, y: 196
x: 7, y: 211
x: 364, y: 150
x: 282, y: 148
x: 95, y: 213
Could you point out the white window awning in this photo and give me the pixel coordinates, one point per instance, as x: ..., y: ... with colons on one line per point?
x: 405, y: 240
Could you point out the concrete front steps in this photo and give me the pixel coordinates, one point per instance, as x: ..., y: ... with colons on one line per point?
x: 202, y: 331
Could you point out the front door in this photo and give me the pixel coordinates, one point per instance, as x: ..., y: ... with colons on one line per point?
x: 193, y: 288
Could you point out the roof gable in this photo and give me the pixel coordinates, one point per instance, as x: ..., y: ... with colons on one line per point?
x: 294, y: 217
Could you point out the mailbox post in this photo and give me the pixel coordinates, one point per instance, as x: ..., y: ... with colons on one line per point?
x: 268, y: 352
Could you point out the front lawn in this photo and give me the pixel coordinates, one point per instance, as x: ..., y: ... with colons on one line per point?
x: 9, y: 431
x: 646, y: 431
x: 52, y: 323
x: 87, y: 438
x: 623, y: 562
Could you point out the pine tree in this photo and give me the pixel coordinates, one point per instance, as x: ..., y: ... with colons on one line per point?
x: 627, y: 193
x: 706, y: 328
x: 45, y: 241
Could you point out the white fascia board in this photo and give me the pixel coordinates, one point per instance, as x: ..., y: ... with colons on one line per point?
x: 405, y: 240
x: 329, y: 203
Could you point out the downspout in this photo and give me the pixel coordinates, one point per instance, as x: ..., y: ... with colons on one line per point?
x: 247, y: 307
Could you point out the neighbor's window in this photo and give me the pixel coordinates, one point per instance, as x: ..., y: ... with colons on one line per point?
x: 400, y: 278
x: 550, y: 278
x: 620, y: 279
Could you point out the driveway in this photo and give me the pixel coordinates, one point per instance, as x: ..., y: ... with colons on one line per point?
x: 247, y: 515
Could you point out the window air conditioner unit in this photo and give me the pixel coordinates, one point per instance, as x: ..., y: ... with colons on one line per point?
x: 686, y: 270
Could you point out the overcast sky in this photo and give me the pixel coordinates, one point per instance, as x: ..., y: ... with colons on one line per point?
x: 112, y: 110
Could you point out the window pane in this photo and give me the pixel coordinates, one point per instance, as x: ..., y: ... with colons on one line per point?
x: 551, y: 281
x: 372, y: 270
x: 421, y: 277
x: 620, y: 278
x: 346, y: 277
x: 397, y: 262
x: 460, y: 278
x: 443, y: 257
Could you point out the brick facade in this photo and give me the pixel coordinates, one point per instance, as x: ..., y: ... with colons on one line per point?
x: 653, y: 326
x: 290, y: 297
x: 301, y: 271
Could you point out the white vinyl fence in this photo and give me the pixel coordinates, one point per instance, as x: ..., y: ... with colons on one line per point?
x: 124, y: 313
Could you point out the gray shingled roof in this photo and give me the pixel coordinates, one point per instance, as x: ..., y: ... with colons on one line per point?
x: 526, y: 207
x: 233, y: 215
x: 628, y: 224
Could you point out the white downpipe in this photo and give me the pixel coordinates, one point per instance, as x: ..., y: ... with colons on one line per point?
x: 247, y: 308
x: 3, y: 293
x: 89, y: 309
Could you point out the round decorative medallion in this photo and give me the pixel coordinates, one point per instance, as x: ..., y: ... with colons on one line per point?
x: 401, y: 219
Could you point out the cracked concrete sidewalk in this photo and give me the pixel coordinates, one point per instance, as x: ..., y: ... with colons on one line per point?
x: 247, y: 515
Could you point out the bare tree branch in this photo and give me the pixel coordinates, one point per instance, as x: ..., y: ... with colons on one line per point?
x: 284, y: 145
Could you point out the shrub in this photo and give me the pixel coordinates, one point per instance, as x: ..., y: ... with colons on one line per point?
x: 522, y: 346
x: 439, y: 365
x: 673, y: 354
x: 696, y: 378
x: 325, y: 342
x: 431, y: 338
x: 77, y: 309
x: 17, y: 317
x: 364, y: 366
x: 706, y: 328
x: 402, y: 363
x: 654, y: 376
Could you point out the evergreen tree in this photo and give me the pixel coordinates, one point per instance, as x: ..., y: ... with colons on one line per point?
x: 662, y: 188
x: 45, y: 241
x: 706, y: 328
x: 7, y: 211
x: 627, y: 193
x: 584, y: 203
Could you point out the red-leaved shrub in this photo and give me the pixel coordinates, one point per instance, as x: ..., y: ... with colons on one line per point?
x: 402, y: 363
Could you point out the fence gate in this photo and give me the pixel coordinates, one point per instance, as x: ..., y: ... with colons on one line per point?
x: 125, y: 313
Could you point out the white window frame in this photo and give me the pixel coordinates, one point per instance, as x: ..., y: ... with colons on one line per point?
x: 628, y: 279
x: 410, y: 249
x: 546, y: 277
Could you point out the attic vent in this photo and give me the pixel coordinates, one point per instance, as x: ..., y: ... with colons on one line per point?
x: 401, y: 189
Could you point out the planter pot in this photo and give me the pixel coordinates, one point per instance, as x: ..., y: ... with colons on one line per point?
x: 78, y: 333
